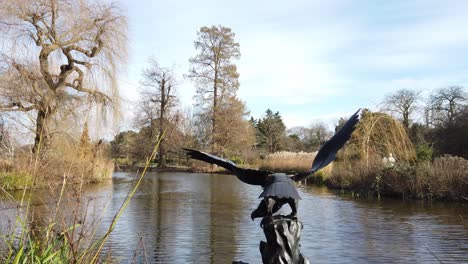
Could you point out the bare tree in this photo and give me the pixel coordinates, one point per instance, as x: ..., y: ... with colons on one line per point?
x: 318, y: 134
x: 59, y: 51
x: 403, y: 102
x: 8, y: 143
x: 214, y: 72
x: 446, y: 104
x: 159, y: 96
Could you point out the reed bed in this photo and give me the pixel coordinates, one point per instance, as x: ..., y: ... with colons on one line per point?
x: 445, y: 178
x: 81, y: 164
x: 292, y: 162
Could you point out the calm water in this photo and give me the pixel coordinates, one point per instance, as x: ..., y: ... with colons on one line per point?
x: 202, y: 218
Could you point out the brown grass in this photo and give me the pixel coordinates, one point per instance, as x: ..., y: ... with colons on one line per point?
x: 444, y: 178
x: 61, y: 231
x: 290, y: 162
x: 65, y: 157
x: 447, y: 177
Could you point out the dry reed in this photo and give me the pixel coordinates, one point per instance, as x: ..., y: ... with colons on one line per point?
x: 444, y: 178
x: 290, y: 162
x: 60, y: 235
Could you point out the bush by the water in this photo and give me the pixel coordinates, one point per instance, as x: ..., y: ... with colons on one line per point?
x: 444, y: 178
x: 65, y: 158
x: 11, y: 181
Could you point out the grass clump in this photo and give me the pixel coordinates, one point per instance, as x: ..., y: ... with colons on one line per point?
x: 35, y: 250
x: 12, y: 181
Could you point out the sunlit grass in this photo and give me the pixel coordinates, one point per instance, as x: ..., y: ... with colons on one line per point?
x: 290, y: 162
x: 11, y: 181
x: 51, y: 243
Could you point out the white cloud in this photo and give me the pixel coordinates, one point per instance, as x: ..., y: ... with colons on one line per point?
x: 316, y: 52
x: 281, y: 66
x: 304, y: 119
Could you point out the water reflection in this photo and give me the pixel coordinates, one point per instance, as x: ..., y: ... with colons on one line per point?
x: 202, y: 218
x: 387, y: 231
x: 184, y: 217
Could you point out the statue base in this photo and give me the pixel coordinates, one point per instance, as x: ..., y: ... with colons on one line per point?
x: 282, y: 246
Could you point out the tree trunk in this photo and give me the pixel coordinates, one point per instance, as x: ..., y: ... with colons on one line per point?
x: 451, y: 113
x: 42, y: 138
x: 162, y: 155
x: 406, y: 119
x: 215, y: 107
x: 162, y: 150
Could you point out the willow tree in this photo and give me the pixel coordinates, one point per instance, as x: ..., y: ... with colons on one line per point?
x: 377, y: 135
x: 215, y: 75
x: 57, y: 54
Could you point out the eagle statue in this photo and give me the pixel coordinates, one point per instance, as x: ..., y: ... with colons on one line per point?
x: 280, y: 188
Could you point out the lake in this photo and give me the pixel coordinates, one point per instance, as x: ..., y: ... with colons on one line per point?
x: 205, y: 218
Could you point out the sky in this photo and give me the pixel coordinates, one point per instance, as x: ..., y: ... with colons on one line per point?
x: 309, y: 60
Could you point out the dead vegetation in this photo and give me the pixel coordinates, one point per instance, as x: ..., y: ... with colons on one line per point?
x: 445, y: 178
x: 291, y: 162
x: 360, y: 167
x: 79, y: 163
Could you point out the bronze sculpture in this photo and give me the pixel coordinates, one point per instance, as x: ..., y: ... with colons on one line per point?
x: 279, y: 188
x: 282, y: 232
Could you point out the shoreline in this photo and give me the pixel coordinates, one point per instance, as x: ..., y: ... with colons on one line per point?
x: 321, y: 182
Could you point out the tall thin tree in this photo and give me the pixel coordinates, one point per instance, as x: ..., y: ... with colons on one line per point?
x: 160, y: 96
x: 214, y: 72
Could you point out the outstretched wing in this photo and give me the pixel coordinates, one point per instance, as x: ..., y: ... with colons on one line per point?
x: 250, y: 176
x: 327, y: 152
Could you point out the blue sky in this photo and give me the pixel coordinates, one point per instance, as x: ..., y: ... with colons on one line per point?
x: 309, y: 60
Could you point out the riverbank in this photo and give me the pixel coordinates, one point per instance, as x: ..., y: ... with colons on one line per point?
x: 445, y: 178
x: 52, y: 169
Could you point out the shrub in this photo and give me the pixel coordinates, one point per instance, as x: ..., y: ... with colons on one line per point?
x: 236, y: 159
x: 424, y: 152
x: 444, y: 178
